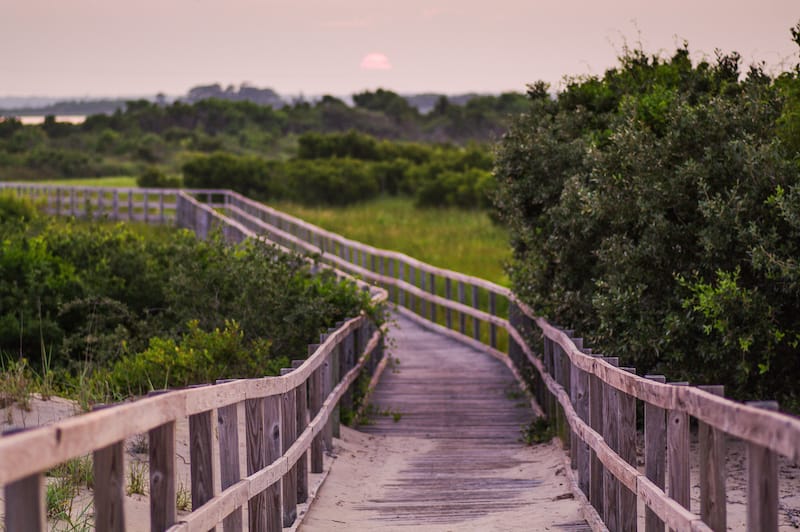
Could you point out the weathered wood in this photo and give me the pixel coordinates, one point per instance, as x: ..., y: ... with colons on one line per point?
x: 492, y: 326
x: 163, y: 511
x: 255, y: 421
x: 611, y: 436
x: 426, y: 306
x: 314, y: 405
x: 712, y: 471
x: 655, y: 453
x: 462, y: 318
x: 448, y: 289
x: 289, y: 435
x: 582, y: 408
x: 301, y: 399
x: 200, y: 452
x: 572, y: 389
x: 476, y: 323
x: 274, y: 449
x: 109, y: 488
x: 678, y: 455
x: 401, y: 274
x: 762, y: 482
x: 228, y: 428
x: 25, y: 505
x: 627, y: 451
x: 432, y: 288
x: 596, y: 422
x: 335, y: 361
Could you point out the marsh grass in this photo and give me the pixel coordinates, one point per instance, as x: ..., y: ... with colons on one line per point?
x: 462, y: 240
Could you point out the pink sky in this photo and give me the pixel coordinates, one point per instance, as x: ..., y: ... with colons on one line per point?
x: 112, y: 47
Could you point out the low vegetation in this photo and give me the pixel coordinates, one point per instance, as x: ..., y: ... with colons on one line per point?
x: 98, y: 312
x: 655, y: 209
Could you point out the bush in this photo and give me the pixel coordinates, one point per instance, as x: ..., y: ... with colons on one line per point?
x: 153, y: 177
x: 652, y: 209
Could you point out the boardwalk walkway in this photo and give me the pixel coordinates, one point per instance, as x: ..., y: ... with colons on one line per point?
x: 447, y: 437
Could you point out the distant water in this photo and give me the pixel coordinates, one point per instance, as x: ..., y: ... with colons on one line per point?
x: 36, y: 120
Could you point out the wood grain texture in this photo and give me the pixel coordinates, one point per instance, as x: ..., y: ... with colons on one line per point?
x: 655, y: 454
x: 161, y: 443
x: 200, y: 453
x: 712, y: 471
x: 289, y: 482
x: 256, y: 437
x: 228, y: 430
x: 762, y: 483
x: 273, y: 450
x: 25, y: 505
x: 109, y: 488
x: 678, y: 456
x: 458, y: 398
x: 627, y: 451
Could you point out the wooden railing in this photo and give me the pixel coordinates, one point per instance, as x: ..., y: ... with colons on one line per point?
x: 288, y: 420
x: 591, y: 401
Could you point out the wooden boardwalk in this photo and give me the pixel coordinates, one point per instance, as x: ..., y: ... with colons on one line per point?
x: 461, y: 411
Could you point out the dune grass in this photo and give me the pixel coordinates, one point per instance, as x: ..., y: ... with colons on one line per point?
x: 456, y: 239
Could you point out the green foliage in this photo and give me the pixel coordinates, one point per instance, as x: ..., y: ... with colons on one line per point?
x: 154, y: 177
x: 114, y: 309
x: 652, y: 209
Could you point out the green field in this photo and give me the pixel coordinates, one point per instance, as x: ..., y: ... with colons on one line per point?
x: 456, y: 239
x: 113, y: 181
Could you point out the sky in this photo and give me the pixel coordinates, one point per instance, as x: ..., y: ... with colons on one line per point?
x: 91, y: 48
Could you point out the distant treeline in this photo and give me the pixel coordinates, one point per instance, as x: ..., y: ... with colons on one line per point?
x: 439, y: 158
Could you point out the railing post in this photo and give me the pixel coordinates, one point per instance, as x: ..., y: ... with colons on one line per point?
x: 256, y: 460
x: 448, y: 294
x: 412, y: 302
x: 432, y: 287
x: 582, y: 406
x: 314, y: 405
x: 401, y: 274
x: 627, y: 451
x: 678, y: 455
x: 611, y: 436
x: 301, y: 393
x: 462, y: 318
x: 25, y: 505
x: 655, y: 453
x: 289, y: 430
x: 146, y: 208
x: 163, y: 511
x: 200, y: 457
x: 596, y: 468
x: 492, y: 326
x: 423, y: 302
x: 712, y: 470
x: 476, y: 323
x: 762, y: 482
x: 228, y: 430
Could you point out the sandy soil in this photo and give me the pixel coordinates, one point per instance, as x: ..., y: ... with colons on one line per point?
x: 352, y: 484
x: 366, y: 463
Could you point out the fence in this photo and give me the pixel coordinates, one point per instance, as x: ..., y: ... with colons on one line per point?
x: 288, y: 420
x: 591, y: 401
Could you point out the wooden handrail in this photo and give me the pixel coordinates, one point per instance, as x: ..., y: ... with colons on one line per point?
x: 27, y: 454
x: 565, y: 378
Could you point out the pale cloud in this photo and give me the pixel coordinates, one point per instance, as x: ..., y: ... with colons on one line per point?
x: 375, y: 61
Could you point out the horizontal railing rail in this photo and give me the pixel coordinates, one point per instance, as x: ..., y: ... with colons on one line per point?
x: 590, y: 400
x: 288, y: 422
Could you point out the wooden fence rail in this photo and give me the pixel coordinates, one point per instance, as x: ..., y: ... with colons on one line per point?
x: 284, y: 417
x: 590, y: 401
